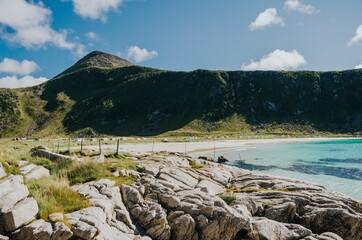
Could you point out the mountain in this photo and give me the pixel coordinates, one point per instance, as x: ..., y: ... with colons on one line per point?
x: 104, y: 94
x: 98, y: 59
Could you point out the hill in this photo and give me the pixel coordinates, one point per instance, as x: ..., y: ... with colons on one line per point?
x: 104, y: 94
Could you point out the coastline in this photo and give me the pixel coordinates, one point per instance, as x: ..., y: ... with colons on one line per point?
x: 197, y: 147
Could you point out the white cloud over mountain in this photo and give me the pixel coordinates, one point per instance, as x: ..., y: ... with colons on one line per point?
x: 267, y: 18
x: 277, y: 60
x: 15, y: 67
x: 357, y: 38
x: 140, y: 55
x: 15, y: 82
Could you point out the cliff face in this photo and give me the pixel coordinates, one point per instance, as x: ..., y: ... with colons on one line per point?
x: 170, y: 199
x: 129, y: 100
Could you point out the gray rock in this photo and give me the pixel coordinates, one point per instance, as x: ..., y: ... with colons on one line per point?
x: 210, y: 187
x: 183, y: 226
x: 99, y: 158
x: 37, y: 172
x: 12, y: 190
x: 328, y: 236
x: 27, y: 169
x: 169, y: 201
x: 130, y: 195
x: 54, y: 217
x: 35, y: 230
x: 149, y: 169
x: 271, y: 230
x: 61, y: 232
x: 2, y: 171
x: 284, y: 212
x: 21, y: 163
x: 3, y: 237
x: 21, y: 214
x: 53, y: 156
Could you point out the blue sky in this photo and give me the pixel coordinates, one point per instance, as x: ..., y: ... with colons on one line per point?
x: 40, y: 39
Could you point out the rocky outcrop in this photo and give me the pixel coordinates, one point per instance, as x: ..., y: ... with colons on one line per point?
x: 2, y: 171
x: 171, y: 200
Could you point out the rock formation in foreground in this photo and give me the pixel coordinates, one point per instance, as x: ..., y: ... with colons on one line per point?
x: 172, y: 200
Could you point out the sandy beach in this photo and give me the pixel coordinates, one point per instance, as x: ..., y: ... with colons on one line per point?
x: 194, y: 147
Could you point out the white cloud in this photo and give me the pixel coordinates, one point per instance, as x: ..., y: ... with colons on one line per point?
x: 30, y: 24
x: 357, y: 38
x: 295, y: 5
x: 277, y: 60
x: 92, y: 36
x: 267, y: 18
x: 14, y: 67
x: 80, y: 50
x: 358, y: 66
x: 140, y: 55
x: 15, y: 82
x: 95, y: 9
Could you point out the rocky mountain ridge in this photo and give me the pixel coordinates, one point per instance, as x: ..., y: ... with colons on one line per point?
x: 170, y: 199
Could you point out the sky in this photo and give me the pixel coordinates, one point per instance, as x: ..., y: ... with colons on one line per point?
x: 40, y: 39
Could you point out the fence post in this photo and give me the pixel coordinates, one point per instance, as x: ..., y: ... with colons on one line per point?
x: 58, y: 145
x: 153, y: 145
x: 81, y: 146
x: 100, y: 147
x: 117, y: 147
x: 69, y: 145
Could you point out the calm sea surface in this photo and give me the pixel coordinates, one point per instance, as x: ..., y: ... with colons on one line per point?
x: 334, y: 164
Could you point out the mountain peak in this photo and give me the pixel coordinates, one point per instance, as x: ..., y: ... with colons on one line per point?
x: 99, y: 59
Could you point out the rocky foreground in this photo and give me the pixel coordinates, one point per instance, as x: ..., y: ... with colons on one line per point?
x: 173, y: 199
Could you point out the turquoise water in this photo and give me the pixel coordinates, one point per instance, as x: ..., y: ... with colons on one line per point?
x: 334, y: 164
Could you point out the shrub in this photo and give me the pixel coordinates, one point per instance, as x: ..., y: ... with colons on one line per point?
x: 227, y: 198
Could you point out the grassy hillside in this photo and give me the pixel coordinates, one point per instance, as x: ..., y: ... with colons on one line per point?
x: 133, y: 100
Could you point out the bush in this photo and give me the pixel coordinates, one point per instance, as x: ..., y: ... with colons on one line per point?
x: 227, y: 198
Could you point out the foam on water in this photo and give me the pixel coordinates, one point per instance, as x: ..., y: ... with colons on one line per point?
x: 334, y: 164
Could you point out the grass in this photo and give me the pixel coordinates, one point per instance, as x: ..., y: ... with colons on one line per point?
x: 194, y: 165
x: 54, y: 195
x: 227, y: 198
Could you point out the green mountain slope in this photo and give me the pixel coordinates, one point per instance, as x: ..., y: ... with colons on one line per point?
x: 132, y: 100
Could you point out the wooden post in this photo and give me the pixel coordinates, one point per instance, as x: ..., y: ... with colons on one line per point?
x: 69, y: 145
x: 214, y: 154
x: 185, y: 149
x: 117, y: 146
x: 153, y: 145
x: 53, y: 145
x: 81, y: 146
x: 100, y: 147
x: 58, y: 145
x: 241, y: 161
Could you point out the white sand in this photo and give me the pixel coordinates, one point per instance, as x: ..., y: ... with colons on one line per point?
x: 192, y: 147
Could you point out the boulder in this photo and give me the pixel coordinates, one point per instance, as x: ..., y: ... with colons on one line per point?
x: 2, y: 171
x: 52, y: 156
x: 3, y: 237
x: 149, y: 169
x: 21, y: 163
x: 55, y: 217
x: 99, y: 158
x: 270, y: 230
x: 210, y: 187
x: 183, y: 226
x: 206, y: 158
x: 222, y: 159
x: 284, y: 212
x: 37, y: 172
x: 328, y: 236
x: 27, y: 169
x: 35, y: 230
x: 21, y: 214
x: 12, y: 190
x: 61, y: 232
x: 169, y: 201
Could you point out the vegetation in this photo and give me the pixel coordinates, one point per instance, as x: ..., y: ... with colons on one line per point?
x: 94, y: 97
x: 53, y: 194
x: 241, y: 190
x: 194, y: 165
x: 227, y: 198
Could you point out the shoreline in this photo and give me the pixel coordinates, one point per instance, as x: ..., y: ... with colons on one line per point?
x: 205, y: 146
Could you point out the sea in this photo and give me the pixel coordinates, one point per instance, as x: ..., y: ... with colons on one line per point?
x: 336, y: 164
